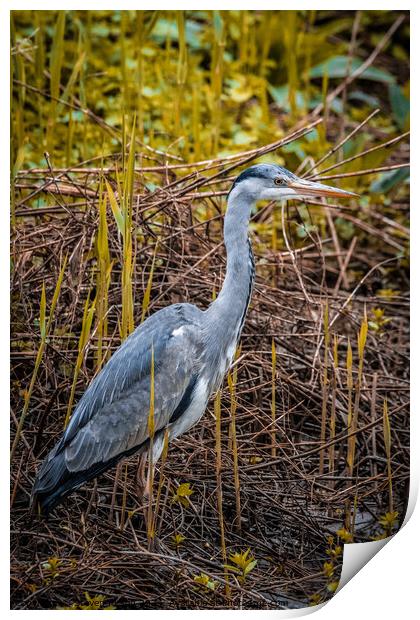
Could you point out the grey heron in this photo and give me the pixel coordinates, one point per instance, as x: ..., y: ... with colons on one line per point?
x: 192, y: 350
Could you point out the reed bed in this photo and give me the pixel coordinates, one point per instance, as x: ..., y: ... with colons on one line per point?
x: 254, y: 474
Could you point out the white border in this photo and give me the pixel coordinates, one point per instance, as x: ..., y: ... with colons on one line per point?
x: 388, y: 584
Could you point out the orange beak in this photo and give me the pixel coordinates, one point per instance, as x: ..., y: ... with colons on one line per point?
x: 310, y: 188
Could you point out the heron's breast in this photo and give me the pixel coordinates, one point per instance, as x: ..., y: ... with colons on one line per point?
x: 227, y: 357
x: 195, y: 409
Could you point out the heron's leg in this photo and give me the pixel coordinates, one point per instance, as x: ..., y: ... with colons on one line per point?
x: 141, y: 483
x: 158, y: 443
x: 149, y: 480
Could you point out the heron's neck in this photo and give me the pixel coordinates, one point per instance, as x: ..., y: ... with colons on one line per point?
x: 229, y: 309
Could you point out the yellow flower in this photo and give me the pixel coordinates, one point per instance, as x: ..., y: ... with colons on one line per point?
x: 328, y: 569
x: 182, y: 494
x: 332, y: 586
x: 345, y: 535
x: 177, y: 539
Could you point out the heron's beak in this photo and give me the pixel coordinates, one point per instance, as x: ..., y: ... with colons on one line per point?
x: 311, y: 188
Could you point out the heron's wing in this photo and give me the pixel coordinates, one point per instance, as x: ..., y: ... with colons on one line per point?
x: 112, y: 416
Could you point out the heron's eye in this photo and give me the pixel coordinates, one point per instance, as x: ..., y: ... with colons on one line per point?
x: 280, y: 181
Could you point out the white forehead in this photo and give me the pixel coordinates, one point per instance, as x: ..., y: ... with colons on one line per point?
x: 251, y: 185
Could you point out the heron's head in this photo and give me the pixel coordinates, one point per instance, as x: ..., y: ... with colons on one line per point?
x: 272, y: 182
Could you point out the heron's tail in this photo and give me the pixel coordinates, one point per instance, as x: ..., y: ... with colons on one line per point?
x: 55, y: 481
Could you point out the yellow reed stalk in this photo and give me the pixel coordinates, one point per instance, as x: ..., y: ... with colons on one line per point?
x: 232, y: 380
x: 56, y: 64
x: 17, y: 67
x: 123, y: 64
x: 69, y: 140
x: 273, y: 399
x: 182, y: 69
x: 243, y: 39
x: 142, y: 33
x: 218, y: 434
x: 217, y: 78
x: 266, y: 44
x: 39, y: 49
x: 44, y: 332
x: 387, y: 442
x: 124, y: 497
x: 349, y: 367
x: 127, y: 319
x: 290, y: 33
x: 361, y: 343
x: 140, y: 73
x: 361, y: 340
x: 83, y: 342
x: 42, y: 313
x: 308, y: 64
x: 161, y: 477
x: 103, y: 278
x: 333, y: 407
x: 196, y: 116
x: 324, y: 391
x: 123, y: 217
x: 71, y: 83
x: 324, y: 93
x: 39, y: 64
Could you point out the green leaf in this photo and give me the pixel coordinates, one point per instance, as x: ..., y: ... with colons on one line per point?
x: 388, y: 180
x: 296, y: 148
x: 370, y: 100
x: 400, y: 105
x: 280, y: 95
x: 338, y: 67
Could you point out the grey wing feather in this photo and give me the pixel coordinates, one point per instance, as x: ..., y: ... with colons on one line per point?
x: 112, y: 415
